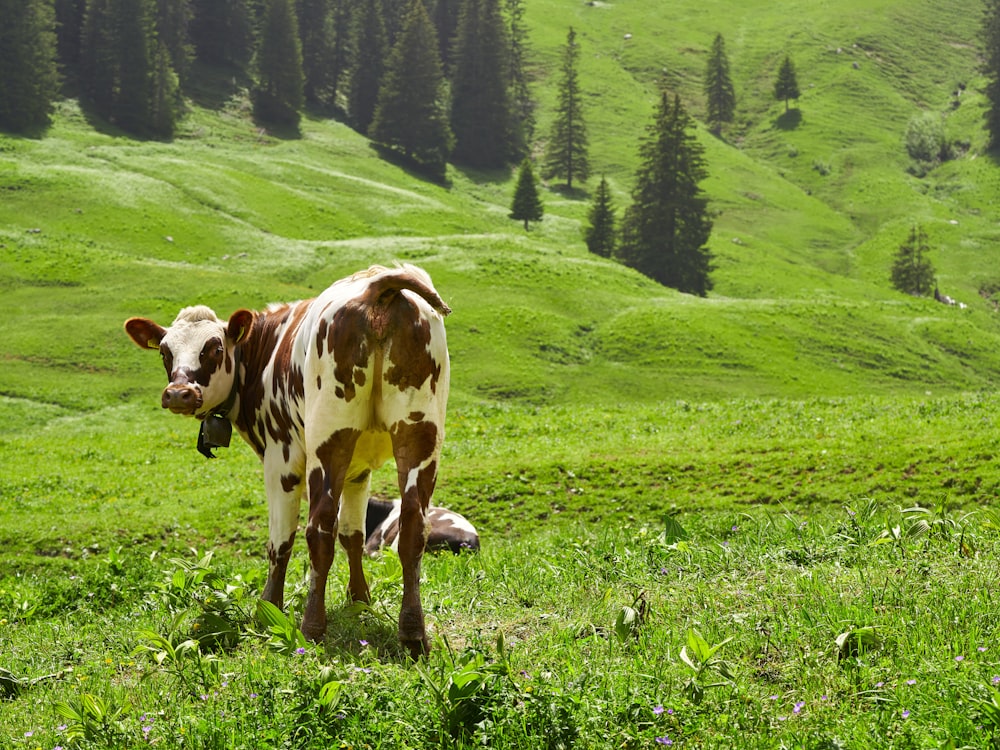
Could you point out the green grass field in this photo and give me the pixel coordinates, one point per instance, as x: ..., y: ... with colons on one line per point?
x: 799, y: 470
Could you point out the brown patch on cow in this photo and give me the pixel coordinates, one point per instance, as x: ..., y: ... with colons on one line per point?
x: 334, y: 455
x: 290, y: 481
x: 348, y: 341
x: 412, y: 444
x: 416, y: 416
x: 354, y: 545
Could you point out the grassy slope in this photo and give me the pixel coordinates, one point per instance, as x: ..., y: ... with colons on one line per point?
x: 232, y: 217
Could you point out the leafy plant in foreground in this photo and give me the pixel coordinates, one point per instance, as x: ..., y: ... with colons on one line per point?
x: 182, y: 659
x: 285, y: 637
x: 701, y: 659
x: 94, y: 719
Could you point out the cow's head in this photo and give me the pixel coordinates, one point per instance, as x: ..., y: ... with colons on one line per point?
x: 198, y: 355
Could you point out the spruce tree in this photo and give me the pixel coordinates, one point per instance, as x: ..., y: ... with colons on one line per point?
x: 566, y: 152
x: 172, y: 20
x: 222, y: 31
x: 600, y: 233
x: 445, y: 17
x: 480, y: 101
x: 411, y: 116
x: 719, y: 91
x: 912, y: 271
x: 277, y: 95
x: 165, y: 93
x: 98, y: 61
x: 369, y: 64
x: 29, y: 80
x: 527, y: 205
x: 991, y: 68
x: 522, y: 105
x: 69, y: 32
x: 135, y: 47
x: 665, y: 229
x: 787, y: 85
x: 314, y: 34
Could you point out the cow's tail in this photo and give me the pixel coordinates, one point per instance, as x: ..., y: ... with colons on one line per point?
x: 386, y: 283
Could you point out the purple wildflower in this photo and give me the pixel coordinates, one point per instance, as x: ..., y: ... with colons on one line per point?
x: 798, y: 707
x: 363, y: 642
x: 300, y: 650
x: 657, y: 710
x: 911, y: 682
x: 664, y: 741
x: 906, y: 713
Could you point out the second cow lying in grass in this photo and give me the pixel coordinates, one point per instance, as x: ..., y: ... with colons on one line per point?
x: 446, y: 530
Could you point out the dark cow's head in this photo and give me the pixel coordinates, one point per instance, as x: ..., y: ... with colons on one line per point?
x: 198, y: 352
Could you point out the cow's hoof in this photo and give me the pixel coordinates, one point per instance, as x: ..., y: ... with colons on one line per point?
x: 314, y: 631
x: 417, y: 647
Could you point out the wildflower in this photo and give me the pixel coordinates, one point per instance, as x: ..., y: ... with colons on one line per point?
x: 253, y: 695
x: 911, y: 682
x: 798, y: 707
x: 959, y: 658
x: 664, y: 741
x: 996, y: 680
x: 300, y: 650
x: 29, y: 733
x: 525, y: 674
x: 670, y: 712
x: 147, y: 729
x: 774, y: 697
x: 657, y: 710
x: 981, y: 649
x: 824, y: 697
x: 363, y: 642
x: 906, y: 713
x: 879, y: 684
x: 61, y: 728
x: 735, y: 528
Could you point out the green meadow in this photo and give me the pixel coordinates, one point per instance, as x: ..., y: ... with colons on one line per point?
x: 760, y: 519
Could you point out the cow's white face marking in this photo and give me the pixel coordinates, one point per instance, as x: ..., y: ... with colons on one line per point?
x: 198, y: 358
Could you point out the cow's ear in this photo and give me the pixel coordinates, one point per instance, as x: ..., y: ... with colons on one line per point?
x: 144, y: 332
x: 240, y: 323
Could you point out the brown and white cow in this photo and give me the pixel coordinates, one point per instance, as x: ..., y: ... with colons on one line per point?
x: 447, y: 530
x: 325, y: 391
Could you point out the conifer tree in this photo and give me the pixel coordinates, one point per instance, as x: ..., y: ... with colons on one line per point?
x: 527, y: 205
x: 566, y: 152
x: 98, y: 61
x: 69, y: 32
x: 787, y: 85
x: 522, y: 105
x: 480, y: 101
x: 29, y: 80
x: 991, y: 68
x: 135, y: 47
x: 317, y: 47
x: 222, y: 31
x: 277, y: 94
x: 445, y: 17
x: 600, y: 233
x: 665, y: 229
x: 172, y: 20
x: 912, y: 271
x: 369, y: 64
x: 719, y: 91
x: 165, y: 93
x: 411, y: 116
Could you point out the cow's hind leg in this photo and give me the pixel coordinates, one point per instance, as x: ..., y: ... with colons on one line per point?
x: 326, y: 469
x: 353, y: 508
x: 415, y: 446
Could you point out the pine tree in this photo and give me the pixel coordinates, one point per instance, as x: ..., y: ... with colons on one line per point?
x: 719, y: 89
x: 991, y: 68
x: 165, y: 93
x: 445, y: 17
x: 341, y: 46
x: 277, y: 94
x: 522, y: 105
x: 134, y: 50
x: 69, y: 32
x: 369, y: 64
x: 566, y: 152
x: 98, y: 61
x: 787, y: 85
x: 600, y: 234
x: 527, y: 205
x: 317, y: 46
x: 222, y: 31
x: 29, y: 80
x: 665, y: 229
x: 411, y: 116
x: 172, y: 20
x: 912, y: 271
x: 480, y: 102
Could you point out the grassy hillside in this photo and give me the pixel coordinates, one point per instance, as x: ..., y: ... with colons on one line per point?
x: 810, y: 207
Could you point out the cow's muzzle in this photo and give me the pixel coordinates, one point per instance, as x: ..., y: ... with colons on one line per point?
x: 181, y: 399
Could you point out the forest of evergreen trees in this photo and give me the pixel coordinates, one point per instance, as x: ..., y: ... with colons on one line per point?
x: 432, y: 81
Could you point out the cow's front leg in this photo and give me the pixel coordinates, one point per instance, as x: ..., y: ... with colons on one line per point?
x: 353, y: 510
x: 415, y: 447
x: 325, y: 472
x: 284, y: 492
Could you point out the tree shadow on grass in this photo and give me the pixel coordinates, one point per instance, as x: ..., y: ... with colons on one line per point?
x: 412, y: 167
x: 789, y: 120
